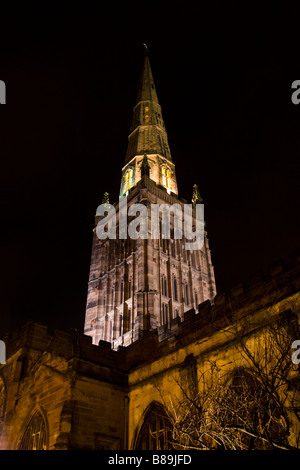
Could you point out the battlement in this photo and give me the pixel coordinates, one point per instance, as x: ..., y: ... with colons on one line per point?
x: 262, y: 290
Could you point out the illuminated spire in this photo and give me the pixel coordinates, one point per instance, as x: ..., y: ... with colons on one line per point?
x: 147, y: 90
x: 147, y: 133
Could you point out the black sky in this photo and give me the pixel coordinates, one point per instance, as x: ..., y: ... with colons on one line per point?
x: 223, y: 74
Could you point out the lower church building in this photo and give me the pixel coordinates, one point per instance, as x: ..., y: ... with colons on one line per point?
x: 164, y: 362
x: 60, y: 391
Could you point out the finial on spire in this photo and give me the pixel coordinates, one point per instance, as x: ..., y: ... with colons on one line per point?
x: 146, y: 48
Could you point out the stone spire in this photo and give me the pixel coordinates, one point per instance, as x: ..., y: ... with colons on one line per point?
x: 147, y: 133
x: 147, y: 90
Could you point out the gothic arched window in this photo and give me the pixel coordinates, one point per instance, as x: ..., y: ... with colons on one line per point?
x: 175, y: 288
x: 122, y: 291
x: 196, y: 300
x: 35, y: 435
x: 155, y: 433
x: 172, y: 244
x: 165, y: 314
x: 186, y: 294
x: 2, y: 399
x: 164, y: 286
x: 257, y: 413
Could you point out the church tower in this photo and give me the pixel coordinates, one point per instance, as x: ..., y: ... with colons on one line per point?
x: 136, y: 285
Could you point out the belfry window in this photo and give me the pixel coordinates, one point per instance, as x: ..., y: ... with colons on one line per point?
x: 122, y: 292
x: 169, y: 179
x: 186, y: 294
x: 172, y: 245
x: 128, y: 180
x: 165, y: 314
x: 166, y: 177
x: 35, y: 436
x: 175, y: 288
x: 164, y: 286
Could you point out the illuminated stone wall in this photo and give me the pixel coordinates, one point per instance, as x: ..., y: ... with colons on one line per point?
x: 92, y: 397
x: 81, y: 400
x: 126, y: 294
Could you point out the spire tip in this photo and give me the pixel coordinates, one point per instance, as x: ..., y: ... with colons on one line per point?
x: 146, y: 48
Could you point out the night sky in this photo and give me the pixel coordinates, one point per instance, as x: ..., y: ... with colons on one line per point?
x: 223, y: 73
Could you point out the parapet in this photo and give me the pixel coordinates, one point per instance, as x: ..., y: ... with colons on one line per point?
x: 281, y: 280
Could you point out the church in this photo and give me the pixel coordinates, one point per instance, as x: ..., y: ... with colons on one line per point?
x: 164, y: 358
